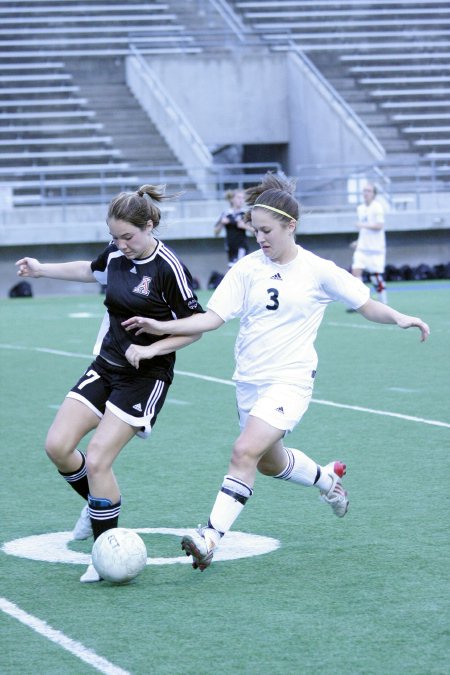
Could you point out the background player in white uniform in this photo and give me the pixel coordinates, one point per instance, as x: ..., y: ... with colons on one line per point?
x: 280, y: 294
x: 370, y: 247
x: 123, y: 390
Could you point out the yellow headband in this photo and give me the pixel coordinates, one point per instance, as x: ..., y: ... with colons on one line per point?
x: 272, y: 208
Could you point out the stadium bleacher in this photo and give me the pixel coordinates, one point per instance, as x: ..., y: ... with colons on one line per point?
x: 65, y: 103
x: 57, y: 116
x: 385, y: 58
x: 72, y: 134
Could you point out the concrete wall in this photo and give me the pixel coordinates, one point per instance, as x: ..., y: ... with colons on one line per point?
x: 230, y: 98
x: 412, y: 238
x: 261, y: 98
x: 320, y: 131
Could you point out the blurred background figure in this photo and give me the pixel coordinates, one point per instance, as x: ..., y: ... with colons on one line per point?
x: 370, y: 247
x: 236, y: 242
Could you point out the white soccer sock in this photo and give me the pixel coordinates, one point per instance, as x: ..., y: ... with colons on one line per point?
x: 382, y: 297
x: 303, y: 470
x: 230, y: 501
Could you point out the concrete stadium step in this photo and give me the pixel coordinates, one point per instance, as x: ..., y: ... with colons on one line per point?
x: 120, y: 113
x: 65, y: 140
x: 32, y: 130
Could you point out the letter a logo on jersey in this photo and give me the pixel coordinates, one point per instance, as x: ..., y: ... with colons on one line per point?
x: 143, y: 288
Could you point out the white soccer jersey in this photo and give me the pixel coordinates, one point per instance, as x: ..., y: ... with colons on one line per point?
x: 280, y: 309
x: 371, y: 240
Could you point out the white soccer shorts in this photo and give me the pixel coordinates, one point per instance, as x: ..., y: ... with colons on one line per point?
x: 280, y: 405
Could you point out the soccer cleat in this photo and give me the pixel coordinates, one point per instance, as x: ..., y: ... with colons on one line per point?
x: 199, y: 547
x: 83, y: 526
x: 90, y: 576
x: 336, y: 496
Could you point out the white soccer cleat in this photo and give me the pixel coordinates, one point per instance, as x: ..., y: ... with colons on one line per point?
x: 336, y: 496
x: 83, y: 526
x: 90, y: 576
x: 200, y: 546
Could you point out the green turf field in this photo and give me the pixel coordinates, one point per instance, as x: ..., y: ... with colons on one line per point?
x: 364, y: 595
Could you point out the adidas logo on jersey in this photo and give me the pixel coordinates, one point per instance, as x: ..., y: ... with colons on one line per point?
x: 277, y: 276
x: 280, y: 410
x: 137, y: 407
x: 133, y: 270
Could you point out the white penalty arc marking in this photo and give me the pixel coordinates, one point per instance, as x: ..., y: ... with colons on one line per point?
x: 208, y: 378
x: 56, y: 636
x: 53, y: 547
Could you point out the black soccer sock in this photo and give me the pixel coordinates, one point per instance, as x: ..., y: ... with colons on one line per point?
x: 104, y: 515
x: 78, y: 480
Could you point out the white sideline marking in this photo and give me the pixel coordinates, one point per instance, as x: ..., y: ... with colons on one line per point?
x: 72, y: 646
x: 208, y: 378
x: 84, y: 315
x: 56, y: 352
x: 409, y: 418
x: 362, y: 326
x: 403, y: 390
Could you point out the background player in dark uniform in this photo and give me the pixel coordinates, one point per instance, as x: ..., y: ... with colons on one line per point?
x: 236, y: 242
x: 123, y: 390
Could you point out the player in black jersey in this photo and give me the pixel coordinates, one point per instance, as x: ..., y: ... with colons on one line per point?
x: 122, y: 391
x: 236, y: 241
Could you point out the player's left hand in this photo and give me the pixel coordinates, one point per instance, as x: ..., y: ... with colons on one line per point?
x: 414, y: 322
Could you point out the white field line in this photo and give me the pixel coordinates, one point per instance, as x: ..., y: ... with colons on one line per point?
x: 72, y: 646
x: 208, y: 378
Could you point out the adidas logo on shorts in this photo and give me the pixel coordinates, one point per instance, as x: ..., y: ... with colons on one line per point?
x: 137, y: 407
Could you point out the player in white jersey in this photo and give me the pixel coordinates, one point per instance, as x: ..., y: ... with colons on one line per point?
x: 280, y: 294
x: 123, y: 390
x: 370, y: 247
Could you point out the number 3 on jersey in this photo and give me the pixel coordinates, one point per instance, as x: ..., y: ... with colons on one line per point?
x: 273, y: 295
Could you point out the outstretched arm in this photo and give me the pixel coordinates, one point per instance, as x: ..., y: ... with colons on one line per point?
x: 79, y: 270
x: 135, y: 353
x: 376, y: 311
x: 218, y: 227
x: 191, y: 325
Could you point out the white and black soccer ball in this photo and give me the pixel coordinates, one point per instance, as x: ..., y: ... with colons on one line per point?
x: 119, y: 555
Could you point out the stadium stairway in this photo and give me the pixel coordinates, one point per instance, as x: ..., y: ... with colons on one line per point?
x: 119, y: 112
x: 65, y: 110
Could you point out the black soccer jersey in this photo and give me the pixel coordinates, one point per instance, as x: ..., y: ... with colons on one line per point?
x: 157, y: 287
x: 236, y: 236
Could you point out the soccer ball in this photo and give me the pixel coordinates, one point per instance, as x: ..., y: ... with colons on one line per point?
x: 119, y: 555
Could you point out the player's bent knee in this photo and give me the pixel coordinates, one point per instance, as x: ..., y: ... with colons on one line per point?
x: 57, y: 447
x: 244, y: 453
x: 96, y: 463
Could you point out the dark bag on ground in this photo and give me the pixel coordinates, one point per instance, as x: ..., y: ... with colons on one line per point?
x: 21, y: 290
x: 214, y: 280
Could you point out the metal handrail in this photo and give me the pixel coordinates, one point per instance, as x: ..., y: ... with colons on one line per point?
x: 230, y: 18
x: 319, y: 186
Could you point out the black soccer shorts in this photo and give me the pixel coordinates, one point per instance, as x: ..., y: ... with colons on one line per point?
x: 135, y: 399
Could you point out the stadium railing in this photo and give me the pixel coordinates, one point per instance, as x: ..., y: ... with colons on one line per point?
x: 319, y: 187
x: 78, y: 184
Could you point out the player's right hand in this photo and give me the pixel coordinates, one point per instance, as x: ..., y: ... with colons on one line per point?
x: 143, y: 325
x: 28, y: 267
